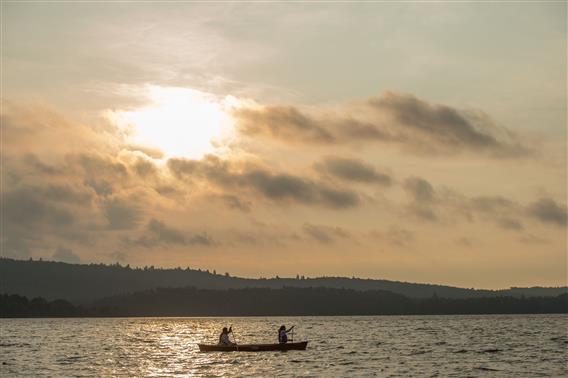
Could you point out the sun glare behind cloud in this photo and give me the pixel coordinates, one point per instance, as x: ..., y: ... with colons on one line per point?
x: 178, y: 121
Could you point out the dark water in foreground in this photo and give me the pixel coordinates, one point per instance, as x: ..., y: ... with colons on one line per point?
x: 382, y: 346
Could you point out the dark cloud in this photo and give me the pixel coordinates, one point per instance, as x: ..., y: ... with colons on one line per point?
x: 157, y: 233
x: 100, y: 166
x: 168, y: 190
x: 503, y: 211
x: 66, y: 255
x: 123, y: 214
x: 283, y: 123
x: 424, y: 199
x: 28, y: 206
x: 349, y: 129
x: 352, y: 170
x: 144, y: 168
x: 490, y: 204
x: 442, y: 123
x: 294, y: 188
x: 423, y: 213
x: 234, y: 202
x: 101, y: 187
x: 278, y: 187
x: 430, y: 204
x: 420, y: 190
x: 337, y: 198
x: 31, y: 214
x: 165, y: 233
x: 510, y: 224
x: 37, y: 165
x: 67, y: 194
x: 399, y: 119
x: 325, y: 234
x: 549, y: 211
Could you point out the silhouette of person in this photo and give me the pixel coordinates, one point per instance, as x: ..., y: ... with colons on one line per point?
x: 224, y: 337
x: 283, y: 334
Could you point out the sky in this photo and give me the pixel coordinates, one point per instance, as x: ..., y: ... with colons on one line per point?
x: 421, y: 142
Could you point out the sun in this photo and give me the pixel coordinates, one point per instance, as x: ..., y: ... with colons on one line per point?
x: 180, y: 122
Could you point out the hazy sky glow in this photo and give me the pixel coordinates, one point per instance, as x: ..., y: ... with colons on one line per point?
x: 418, y: 142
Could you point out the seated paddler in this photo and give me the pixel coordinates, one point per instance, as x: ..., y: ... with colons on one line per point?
x: 224, y: 337
x: 283, y: 334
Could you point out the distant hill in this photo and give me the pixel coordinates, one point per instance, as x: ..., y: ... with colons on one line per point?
x: 276, y: 302
x: 82, y: 283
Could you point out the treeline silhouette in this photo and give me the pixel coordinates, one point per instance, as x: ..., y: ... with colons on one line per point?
x: 276, y: 302
x: 81, y: 283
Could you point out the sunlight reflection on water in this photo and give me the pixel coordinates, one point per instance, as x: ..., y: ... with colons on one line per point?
x: 339, y: 346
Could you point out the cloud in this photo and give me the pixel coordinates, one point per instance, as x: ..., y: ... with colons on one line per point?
x: 423, y: 199
x: 350, y: 130
x: 123, y: 214
x: 157, y: 233
x: 273, y: 186
x: 236, y: 203
x: 66, y: 255
x: 27, y: 206
x: 99, y: 166
x: 510, y: 224
x: 66, y: 193
x: 282, y: 186
x: 445, y: 126
x: 101, y: 187
x: 144, y: 168
x: 39, y: 166
x: 14, y: 245
x: 33, y: 214
x: 282, y: 123
x: 403, y: 120
x: 325, y: 234
x: 94, y: 190
x: 548, y: 211
x: 428, y: 203
x: 394, y: 236
x: 423, y: 213
x: 491, y: 204
x: 153, y: 153
x: 420, y: 190
x: 352, y: 170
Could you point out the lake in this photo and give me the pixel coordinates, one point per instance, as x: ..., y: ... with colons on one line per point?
x: 381, y: 346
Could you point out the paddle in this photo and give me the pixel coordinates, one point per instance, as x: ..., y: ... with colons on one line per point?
x: 292, y: 336
x: 233, y: 332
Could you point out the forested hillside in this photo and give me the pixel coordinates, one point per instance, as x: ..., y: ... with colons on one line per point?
x: 82, y: 283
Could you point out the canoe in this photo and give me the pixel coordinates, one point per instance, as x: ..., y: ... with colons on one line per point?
x: 252, y: 347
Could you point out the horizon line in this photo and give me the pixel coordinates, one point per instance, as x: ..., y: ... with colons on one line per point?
x: 276, y: 277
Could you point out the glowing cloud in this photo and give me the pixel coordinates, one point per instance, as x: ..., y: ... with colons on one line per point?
x: 178, y: 121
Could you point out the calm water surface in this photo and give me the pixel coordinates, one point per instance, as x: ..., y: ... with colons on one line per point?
x: 382, y: 346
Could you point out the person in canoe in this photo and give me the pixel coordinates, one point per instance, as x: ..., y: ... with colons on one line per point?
x: 224, y: 337
x: 283, y: 334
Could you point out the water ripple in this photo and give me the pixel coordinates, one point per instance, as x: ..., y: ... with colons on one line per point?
x: 381, y: 346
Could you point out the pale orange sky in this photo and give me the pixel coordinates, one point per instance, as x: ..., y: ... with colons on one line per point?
x: 415, y: 142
